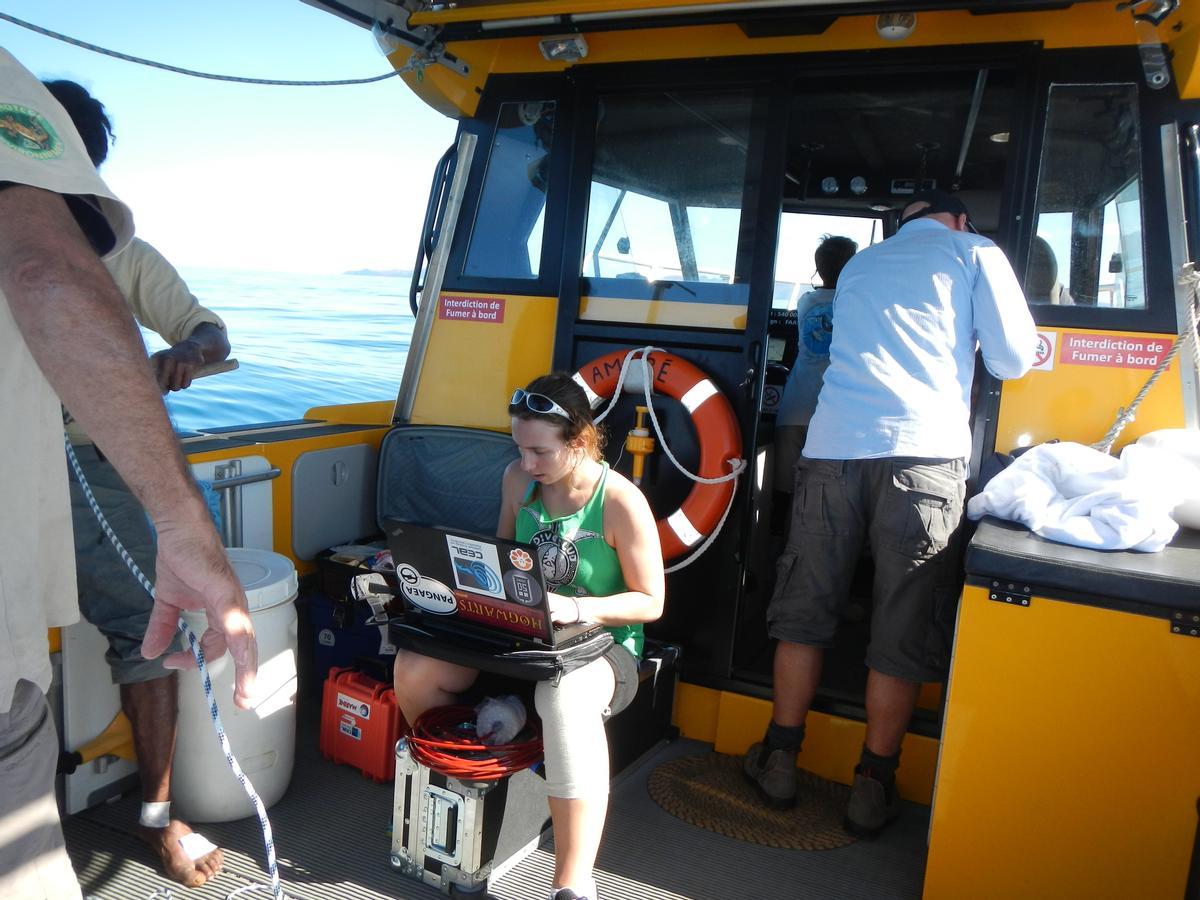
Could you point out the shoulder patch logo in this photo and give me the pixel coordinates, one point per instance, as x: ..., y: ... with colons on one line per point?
x: 29, y: 132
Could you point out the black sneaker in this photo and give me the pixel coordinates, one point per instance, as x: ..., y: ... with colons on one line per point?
x: 874, y: 804
x: 568, y: 894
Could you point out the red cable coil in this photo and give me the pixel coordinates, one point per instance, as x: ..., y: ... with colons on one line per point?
x: 443, y: 739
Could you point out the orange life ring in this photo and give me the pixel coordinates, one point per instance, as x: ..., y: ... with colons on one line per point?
x: 716, y: 427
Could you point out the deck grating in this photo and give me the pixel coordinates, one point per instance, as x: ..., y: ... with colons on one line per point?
x: 332, y: 844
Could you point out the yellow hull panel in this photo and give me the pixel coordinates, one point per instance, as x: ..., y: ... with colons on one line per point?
x: 1069, y: 760
x: 1081, y: 402
x: 471, y: 367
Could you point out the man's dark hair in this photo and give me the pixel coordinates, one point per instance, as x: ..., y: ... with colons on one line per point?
x: 91, y: 121
x: 832, y: 255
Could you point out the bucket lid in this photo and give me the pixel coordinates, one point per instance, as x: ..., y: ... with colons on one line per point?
x: 269, y: 579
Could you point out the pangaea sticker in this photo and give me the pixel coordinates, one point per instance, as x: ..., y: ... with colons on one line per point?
x: 430, y: 595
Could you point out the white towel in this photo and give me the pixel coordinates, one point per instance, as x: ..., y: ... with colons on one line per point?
x: 1073, y: 494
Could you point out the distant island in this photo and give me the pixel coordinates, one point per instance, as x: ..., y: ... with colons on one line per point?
x: 388, y: 273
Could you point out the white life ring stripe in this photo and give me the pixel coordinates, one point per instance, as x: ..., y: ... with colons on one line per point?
x: 684, y: 529
x: 592, y: 396
x: 698, y: 393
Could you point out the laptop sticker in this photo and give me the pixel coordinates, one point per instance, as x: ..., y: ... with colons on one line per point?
x: 522, y: 588
x: 426, y: 593
x: 476, y: 566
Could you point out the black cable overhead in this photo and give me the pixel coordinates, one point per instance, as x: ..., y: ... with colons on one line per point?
x: 180, y: 71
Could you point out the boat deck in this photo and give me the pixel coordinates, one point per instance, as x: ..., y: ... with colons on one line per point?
x: 331, y: 839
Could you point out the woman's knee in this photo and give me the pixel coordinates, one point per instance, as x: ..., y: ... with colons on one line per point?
x: 414, y: 674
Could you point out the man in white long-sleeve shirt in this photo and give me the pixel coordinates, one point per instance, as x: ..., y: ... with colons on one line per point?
x: 885, y: 464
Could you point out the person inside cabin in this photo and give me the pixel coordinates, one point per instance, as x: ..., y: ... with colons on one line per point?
x: 109, y: 595
x: 67, y: 338
x: 562, y: 496
x: 814, y: 320
x: 884, y: 465
x: 1041, y: 281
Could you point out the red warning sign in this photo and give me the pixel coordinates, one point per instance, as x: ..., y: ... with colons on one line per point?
x: 471, y: 309
x: 1114, y: 351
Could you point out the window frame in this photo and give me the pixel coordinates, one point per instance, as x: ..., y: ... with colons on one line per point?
x: 1098, y: 67
x: 735, y: 293
x: 516, y: 89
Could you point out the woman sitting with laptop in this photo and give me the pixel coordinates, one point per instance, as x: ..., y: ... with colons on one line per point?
x: 598, y: 546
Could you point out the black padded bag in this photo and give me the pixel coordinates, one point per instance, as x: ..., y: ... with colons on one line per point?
x: 409, y: 634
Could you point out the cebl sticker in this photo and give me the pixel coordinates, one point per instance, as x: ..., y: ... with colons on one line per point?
x: 348, y: 728
x: 476, y: 566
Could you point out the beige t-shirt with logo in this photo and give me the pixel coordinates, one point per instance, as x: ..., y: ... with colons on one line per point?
x: 39, y: 147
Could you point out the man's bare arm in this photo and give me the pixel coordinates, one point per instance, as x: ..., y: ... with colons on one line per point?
x: 80, y: 332
x: 175, y: 367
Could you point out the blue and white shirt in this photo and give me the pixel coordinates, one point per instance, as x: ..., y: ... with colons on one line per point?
x: 908, y: 315
x: 814, y: 320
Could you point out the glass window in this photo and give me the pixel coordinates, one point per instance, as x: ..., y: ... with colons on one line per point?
x: 506, y: 240
x: 665, y: 212
x: 1088, y: 245
x: 799, y: 236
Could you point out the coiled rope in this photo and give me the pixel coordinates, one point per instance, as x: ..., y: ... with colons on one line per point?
x: 198, y: 653
x: 1189, y: 333
x: 444, y: 739
x: 737, y: 466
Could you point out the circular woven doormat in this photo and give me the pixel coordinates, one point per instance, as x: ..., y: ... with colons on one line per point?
x: 711, y: 792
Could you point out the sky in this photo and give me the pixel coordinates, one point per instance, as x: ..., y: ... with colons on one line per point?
x: 283, y: 179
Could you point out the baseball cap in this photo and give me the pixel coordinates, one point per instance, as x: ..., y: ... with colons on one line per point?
x: 939, y: 202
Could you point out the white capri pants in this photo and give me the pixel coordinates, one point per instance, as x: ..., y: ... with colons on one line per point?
x: 576, y: 747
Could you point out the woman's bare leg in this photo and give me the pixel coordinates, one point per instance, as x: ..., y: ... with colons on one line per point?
x: 423, y: 682
x: 578, y: 827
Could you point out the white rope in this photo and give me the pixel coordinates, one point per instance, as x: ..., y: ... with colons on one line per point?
x: 198, y: 653
x: 737, y: 465
x: 1188, y: 334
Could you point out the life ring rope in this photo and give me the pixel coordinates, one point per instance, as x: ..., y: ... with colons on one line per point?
x: 691, y: 400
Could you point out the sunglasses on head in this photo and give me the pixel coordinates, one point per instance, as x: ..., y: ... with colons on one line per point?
x: 538, y: 403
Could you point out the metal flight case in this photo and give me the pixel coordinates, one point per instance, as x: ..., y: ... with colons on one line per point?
x: 455, y: 835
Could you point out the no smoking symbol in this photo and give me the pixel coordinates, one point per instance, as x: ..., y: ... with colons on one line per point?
x: 1044, y: 350
x: 408, y: 574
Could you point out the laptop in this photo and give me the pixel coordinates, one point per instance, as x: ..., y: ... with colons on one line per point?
x: 486, y: 589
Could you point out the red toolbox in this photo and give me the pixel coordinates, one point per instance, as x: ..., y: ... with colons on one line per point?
x: 360, y: 723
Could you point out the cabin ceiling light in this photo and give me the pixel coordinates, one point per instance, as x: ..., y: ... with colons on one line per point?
x: 1000, y: 137
x: 895, y: 26
x: 567, y: 48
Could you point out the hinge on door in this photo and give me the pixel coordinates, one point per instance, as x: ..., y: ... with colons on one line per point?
x: 1015, y: 593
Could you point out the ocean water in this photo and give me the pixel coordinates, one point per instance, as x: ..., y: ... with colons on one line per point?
x: 300, y: 340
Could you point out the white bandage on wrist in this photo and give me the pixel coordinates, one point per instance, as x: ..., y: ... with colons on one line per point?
x: 155, y: 815
x: 578, y: 611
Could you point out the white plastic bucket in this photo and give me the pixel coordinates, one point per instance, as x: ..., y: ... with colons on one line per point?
x: 204, y: 788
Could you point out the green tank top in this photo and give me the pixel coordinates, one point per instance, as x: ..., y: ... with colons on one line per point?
x: 574, y: 556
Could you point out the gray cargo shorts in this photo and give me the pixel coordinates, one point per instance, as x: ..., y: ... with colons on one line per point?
x: 910, y: 511
x: 109, y: 596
